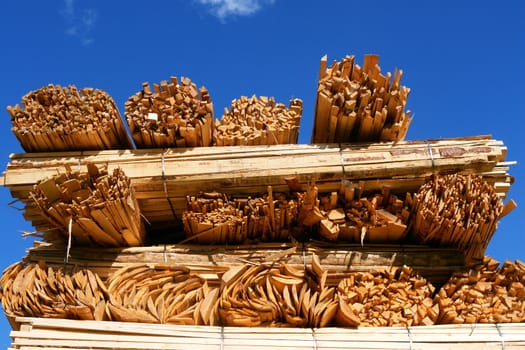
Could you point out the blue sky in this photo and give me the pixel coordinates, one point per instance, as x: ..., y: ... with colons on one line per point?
x: 463, y: 61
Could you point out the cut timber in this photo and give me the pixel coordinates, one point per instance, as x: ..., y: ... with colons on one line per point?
x: 93, y: 208
x: 176, y: 114
x: 258, y: 121
x: 359, y: 104
x: 55, y: 118
x: 162, y: 179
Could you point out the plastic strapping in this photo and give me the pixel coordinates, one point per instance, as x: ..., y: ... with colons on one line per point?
x: 409, y: 338
x: 314, y: 338
x: 68, y: 248
x: 78, y: 164
x: 222, y: 337
x: 165, y: 255
x: 163, y: 170
x: 429, y: 146
x: 342, y: 161
x: 304, y: 258
x: 501, y: 337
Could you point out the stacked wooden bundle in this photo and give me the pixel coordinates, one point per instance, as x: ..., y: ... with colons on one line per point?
x: 458, y: 210
x: 258, y: 121
x: 40, y: 291
x: 175, y: 114
x: 161, y: 294
x: 386, y: 298
x: 214, y: 218
x: 359, y: 104
x: 55, y: 118
x: 485, y: 294
x: 90, y: 208
x: 276, y: 296
x: 355, y: 216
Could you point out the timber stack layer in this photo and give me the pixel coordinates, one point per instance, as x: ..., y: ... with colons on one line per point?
x: 56, y: 118
x: 282, y: 239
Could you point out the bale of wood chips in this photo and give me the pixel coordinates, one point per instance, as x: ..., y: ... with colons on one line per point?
x: 175, y: 114
x: 359, y: 103
x: 56, y: 118
x: 214, y: 218
x: 385, y: 298
x: 276, y: 296
x: 485, y: 294
x: 457, y: 210
x: 161, y: 294
x: 258, y: 121
x: 90, y: 208
x: 36, y: 290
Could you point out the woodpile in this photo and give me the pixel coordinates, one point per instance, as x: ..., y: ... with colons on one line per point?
x: 90, y: 208
x: 357, y: 103
x: 213, y: 218
x: 277, y: 296
x: 40, y: 291
x: 488, y: 293
x: 35, y: 333
x: 386, y: 298
x: 174, y: 114
x: 56, y: 118
x: 458, y: 210
x: 161, y: 294
x: 258, y: 121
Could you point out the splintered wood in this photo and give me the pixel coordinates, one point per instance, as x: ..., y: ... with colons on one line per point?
x: 175, y: 114
x: 41, y: 291
x: 386, y: 298
x: 485, y: 294
x: 93, y: 208
x: 258, y: 121
x: 161, y: 294
x: 214, y: 218
x: 359, y: 103
x: 55, y: 118
x: 457, y: 210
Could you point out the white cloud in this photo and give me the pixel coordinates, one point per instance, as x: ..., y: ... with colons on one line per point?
x: 80, y: 21
x: 226, y: 8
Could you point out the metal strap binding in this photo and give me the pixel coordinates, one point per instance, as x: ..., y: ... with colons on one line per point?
x: 500, y: 336
x: 163, y: 170
x: 429, y: 147
x: 314, y: 339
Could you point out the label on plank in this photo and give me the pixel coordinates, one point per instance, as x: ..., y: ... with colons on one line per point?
x: 153, y: 116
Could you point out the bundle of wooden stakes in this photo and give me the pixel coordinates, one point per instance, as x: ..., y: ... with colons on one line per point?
x: 176, y: 114
x: 258, y: 121
x: 386, y: 298
x: 55, y: 118
x: 359, y: 104
x: 485, y: 294
x: 41, y: 291
x: 90, y: 208
x: 214, y: 218
x: 458, y: 210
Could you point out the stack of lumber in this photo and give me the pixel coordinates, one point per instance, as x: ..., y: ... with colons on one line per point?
x: 359, y: 103
x: 211, y: 261
x: 35, y: 333
x: 258, y: 121
x: 212, y: 217
x: 162, y: 179
x: 55, y: 118
x: 378, y: 217
x: 43, y: 291
x: 277, y: 296
x: 458, y: 210
x: 175, y: 114
x: 395, y: 297
x: 161, y: 294
x: 489, y: 293
x: 90, y: 208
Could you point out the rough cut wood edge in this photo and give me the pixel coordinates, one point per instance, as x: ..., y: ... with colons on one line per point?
x: 210, y: 262
x: 34, y: 333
